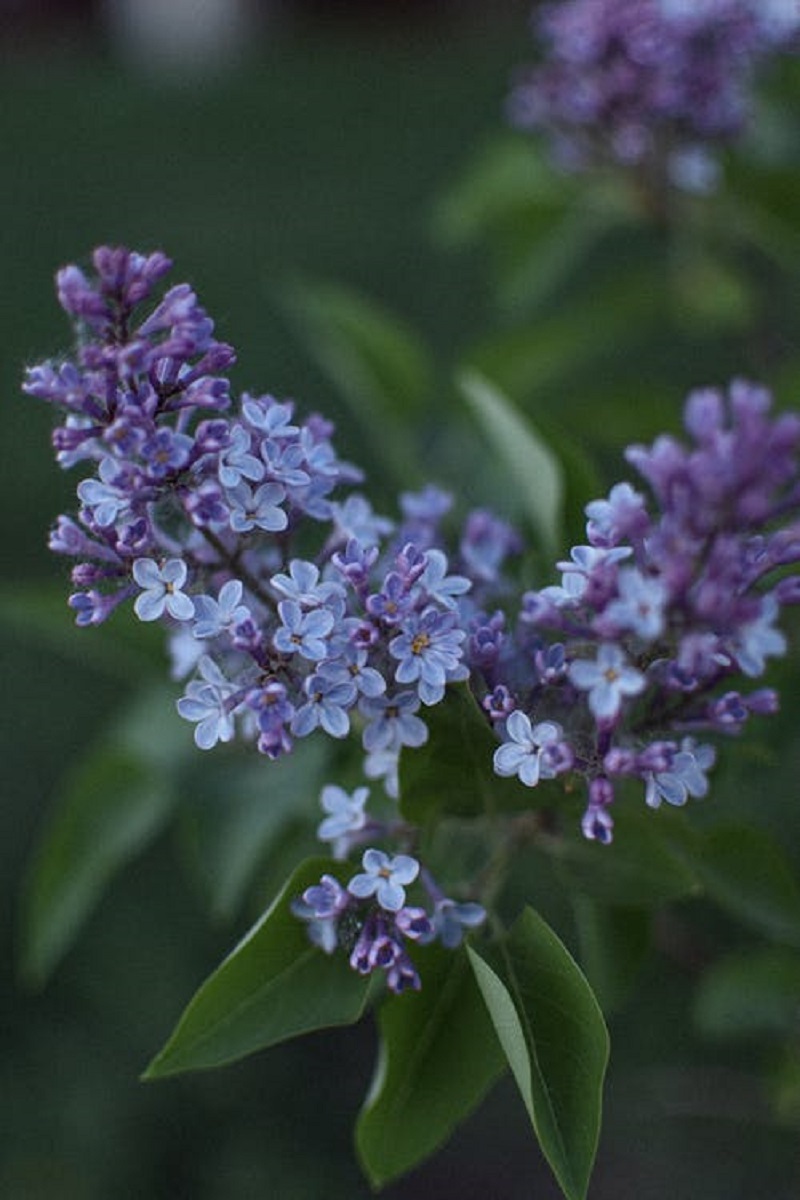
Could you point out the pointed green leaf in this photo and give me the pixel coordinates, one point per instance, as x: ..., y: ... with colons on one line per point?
x: 239, y: 812
x: 533, y: 470
x: 646, y: 865
x: 111, y: 805
x: 555, y: 1040
x: 438, y: 1056
x: 382, y: 370
x: 614, y: 941
x: 452, y: 773
x: 749, y: 994
x: 508, y: 181
x: 745, y: 871
x: 274, y: 985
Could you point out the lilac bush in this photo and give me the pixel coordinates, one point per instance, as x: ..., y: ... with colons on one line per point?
x: 468, y: 710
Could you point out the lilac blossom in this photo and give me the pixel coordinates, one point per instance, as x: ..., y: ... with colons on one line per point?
x: 162, y: 590
x: 213, y: 617
x: 346, y: 816
x: 428, y: 650
x: 208, y: 703
x: 236, y: 521
x: 608, y: 680
x: 686, y: 776
x: 392, y: 722
x: 525, y: 754
x: 302, y: 632
x: 326, y: 706
x: 259, y: 509
x: 385, y: 877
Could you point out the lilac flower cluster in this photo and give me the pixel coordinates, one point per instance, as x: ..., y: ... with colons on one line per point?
x: 202, y: 513
x: 659, y: 612
x: 370, y: 918
x: 293, y: 607
x: 194, y: 511
x: 653, y: 85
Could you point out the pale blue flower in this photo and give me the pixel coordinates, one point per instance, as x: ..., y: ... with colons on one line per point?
x: 207, y: 703
x: 685, y: 777
x: 102, y: 497
x: 639, y: 606
x: 758, y: 639
x: 303, y: 586
x: 259, y: 509
x: 525, y: 753
x: 451, y: 920
x: 385, y: 877
x: 327, y: 705
x: 392, y: 722
x: 346, y: 814
x: 301, y: 632
x: 237, y: 462
x: 214, y: 617
x: 438, y: 584
x: 162, y: 590
x: 608, y: 680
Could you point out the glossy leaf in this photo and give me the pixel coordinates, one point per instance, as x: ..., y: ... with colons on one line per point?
x: 533, y: 470
x: 452, y: 773
x: 111, y: 805
x: 745, y: 871
x: 274, y: 985
x: 749, y: 994
x: 438, y: 1056
x: 555, y: 1040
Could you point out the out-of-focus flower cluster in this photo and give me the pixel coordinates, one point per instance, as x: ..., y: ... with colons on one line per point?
x: 653, y: 85
x: 293, y: 607
x: 657, y: 616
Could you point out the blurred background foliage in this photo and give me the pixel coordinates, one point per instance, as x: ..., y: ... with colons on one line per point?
x: 347, y: 202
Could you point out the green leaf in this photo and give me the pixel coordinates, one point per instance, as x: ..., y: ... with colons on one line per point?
x: 531, y: 272
x: 749, y: 994
x: 274, y: 985
x: 238, y: 812
x: 382, y: 371
x: 111, y: 805
x: 586, y: 335
x: 452, y: 773
x: 508, y: 180
x: 646, y: 865
x: 534, y: 472
x: 614, y: 941
x: 746, y: 873
x: 438, y: 1057
x: 555, y: 1040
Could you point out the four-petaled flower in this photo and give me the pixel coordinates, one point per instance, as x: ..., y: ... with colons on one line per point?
x: 385, y: 877
x: 162, y: 590
x: 608, y: 680
x: 346, y: 815
x: 526, y: 753
x: 302, y: 632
